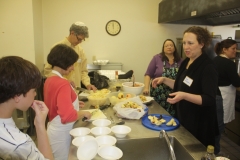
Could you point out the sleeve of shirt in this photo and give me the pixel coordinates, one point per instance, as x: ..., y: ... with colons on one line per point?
x: 151, y: 68
x: 84, y: 73
x: 209, y: 85
x: 47, y: 69
x: 64, y: 104
x: 233, y: 75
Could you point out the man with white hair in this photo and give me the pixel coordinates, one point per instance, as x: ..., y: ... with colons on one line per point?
x: 77, y: 33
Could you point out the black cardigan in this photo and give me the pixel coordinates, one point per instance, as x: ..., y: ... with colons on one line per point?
x: 200, y: 120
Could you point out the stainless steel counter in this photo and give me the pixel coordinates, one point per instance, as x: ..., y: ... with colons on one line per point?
x: 193, y: 146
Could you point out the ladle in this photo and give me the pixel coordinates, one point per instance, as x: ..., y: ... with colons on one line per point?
x: 133, y: 79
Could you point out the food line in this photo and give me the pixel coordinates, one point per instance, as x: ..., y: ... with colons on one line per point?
x: 192, y: 145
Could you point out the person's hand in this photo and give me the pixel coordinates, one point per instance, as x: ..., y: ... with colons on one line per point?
x: 146, y: 91
x: 41, y: 112
x: 91, y: 87
x: 176, y: 97
x: 86, y: 114
x: 72, y: 84
x: 81, y: 104
x: 157, y: 81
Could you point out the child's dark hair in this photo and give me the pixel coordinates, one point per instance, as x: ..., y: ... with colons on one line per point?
x: 17, y: 76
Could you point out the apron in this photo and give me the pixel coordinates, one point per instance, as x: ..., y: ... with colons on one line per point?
x: 161, y: 92
x: 229, y: 96
x: 58, y: 133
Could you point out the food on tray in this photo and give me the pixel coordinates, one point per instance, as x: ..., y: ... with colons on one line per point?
x: 155, y: 120
x: 171, y: 122
x: 143, y: 98
x: 132, y: 105
x: 121, y: 96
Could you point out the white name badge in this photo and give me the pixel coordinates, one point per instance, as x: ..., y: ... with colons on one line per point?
x: 79, y: 61
x: 188, y: 81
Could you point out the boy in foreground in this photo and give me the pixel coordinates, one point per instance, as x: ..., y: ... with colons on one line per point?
x: 19, y: 79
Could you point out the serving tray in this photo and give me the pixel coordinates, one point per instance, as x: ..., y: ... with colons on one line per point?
x: 146, y: 122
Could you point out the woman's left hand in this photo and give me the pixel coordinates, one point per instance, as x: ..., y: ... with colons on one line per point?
x: 175, y: 97
x: 81, y: 104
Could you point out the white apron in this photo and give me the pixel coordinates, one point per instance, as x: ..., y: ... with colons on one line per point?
x: 229, y: 96
x: 58, y: 133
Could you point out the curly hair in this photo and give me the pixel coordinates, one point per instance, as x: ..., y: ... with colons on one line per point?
x: 175, y: 53
x: 18, y: 76
x: 62, y: 56
x: 223, y: 44
x: 203, y: 35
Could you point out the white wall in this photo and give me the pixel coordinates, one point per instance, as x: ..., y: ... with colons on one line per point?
x: 16, y: 29
x: 38, y: 33
x: 140, y: 38
x: 29, y: 28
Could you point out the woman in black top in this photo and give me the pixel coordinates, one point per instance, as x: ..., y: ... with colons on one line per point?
x: 195, y: 87
x: 228, y: 80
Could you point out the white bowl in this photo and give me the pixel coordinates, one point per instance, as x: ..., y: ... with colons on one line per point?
x: 87, y: 150
x: 79, y: 140
x: 98, y: 131
x: 80, y: 131
x: 113, y: 97
x: 110, y: 152
x: 101, y: 122
x: 137, y: 89
x: 120, y: 131
x: 106, y: 140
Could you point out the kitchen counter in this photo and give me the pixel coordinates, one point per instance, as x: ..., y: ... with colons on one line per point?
x: 192, y: 145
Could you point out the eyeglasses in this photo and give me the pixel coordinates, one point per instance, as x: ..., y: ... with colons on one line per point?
x: 79, y: 39
x: 169, y: 45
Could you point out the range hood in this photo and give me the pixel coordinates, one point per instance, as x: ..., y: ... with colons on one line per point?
x: 199, y: 12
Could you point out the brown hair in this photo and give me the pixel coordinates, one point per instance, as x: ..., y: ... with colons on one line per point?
x: 203, y: 35
x: 17, y: 76
x: 62, y: 56
x: 223, y: 44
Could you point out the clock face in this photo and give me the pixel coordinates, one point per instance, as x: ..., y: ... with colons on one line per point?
x: 113, y: 27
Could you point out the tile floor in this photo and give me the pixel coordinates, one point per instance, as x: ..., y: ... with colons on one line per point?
x: 228, y: 147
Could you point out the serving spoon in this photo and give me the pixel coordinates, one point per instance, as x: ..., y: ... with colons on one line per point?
x: 133, y: 79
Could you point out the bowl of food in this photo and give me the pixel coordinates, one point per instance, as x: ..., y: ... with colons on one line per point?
x: 101, y: 122
x: 116, y: 97
x: 116, y: 84
x: 80, y: 131
x: 121, y: 131
x: 98, y: 131
x: 108, y: 152
x: 79, y: 140
x: 136, y: 89
x: 98, y: 97
x: 87, y: 150
x: 106, y: 140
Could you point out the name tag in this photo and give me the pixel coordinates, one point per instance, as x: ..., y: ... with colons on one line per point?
x: 79, y: 61
x: 188, y: 81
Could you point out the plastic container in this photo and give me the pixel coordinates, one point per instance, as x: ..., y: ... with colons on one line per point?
x: 209, y: 155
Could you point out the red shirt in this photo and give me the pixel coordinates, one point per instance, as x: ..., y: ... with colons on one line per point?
x: 59, y: 96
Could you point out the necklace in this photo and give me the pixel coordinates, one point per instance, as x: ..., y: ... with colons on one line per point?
x: 223, y: 55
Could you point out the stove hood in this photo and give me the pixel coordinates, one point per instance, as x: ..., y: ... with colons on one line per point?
x: 200, y: 12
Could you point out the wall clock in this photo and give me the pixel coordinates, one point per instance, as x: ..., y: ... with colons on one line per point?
x: 113, y: 27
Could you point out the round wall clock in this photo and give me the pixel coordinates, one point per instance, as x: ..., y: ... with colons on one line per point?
x: 113, y: 27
